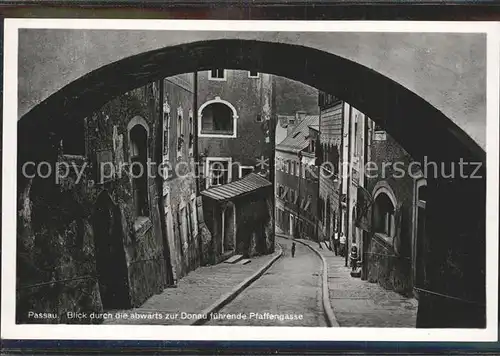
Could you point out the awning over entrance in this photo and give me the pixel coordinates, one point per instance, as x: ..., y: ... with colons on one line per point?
x: 244, y: 186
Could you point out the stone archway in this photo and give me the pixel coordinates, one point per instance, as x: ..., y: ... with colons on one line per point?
x: 419, y: 127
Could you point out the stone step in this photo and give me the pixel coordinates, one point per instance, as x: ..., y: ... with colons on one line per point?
x: 244, y: 261
x: 234, y: 259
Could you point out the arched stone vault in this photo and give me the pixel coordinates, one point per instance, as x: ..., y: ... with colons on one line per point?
x: 420, y: 127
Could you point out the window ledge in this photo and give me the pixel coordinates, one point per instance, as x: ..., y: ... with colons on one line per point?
x: 217, y: 132
x: 142, y: 225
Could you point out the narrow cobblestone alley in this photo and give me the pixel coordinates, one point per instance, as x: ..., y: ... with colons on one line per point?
x: 359, y: 303
x: 291, y: 287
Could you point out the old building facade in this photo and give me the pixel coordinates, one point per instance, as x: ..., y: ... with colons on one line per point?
x: 343, y: 146
x: 117, y: 221
x: 297, y: 182
x: 373, y: 192
x: 331, y: 127
x: 397, y: 215
x: 235, y: 124
x: 236, y: 135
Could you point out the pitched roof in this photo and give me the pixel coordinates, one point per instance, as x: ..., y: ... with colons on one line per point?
x: 296, y: 141
x: 245, y: 185
x: 280, y: 133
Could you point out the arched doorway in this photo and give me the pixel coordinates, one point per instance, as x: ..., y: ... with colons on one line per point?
x: 110, y: 254
x: 228, y: 227
x: 138, y: 138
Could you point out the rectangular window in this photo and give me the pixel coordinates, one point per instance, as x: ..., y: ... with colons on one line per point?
x: 245, y: 170
x: 313, y: 146
x: 184, y: 228
x: 258, y: 118
x: 180, y: 131
x: 191, y: 130
x: 217, y: 74
x: 194, y: 218
x: 355, y: 139
x: 219, y: 172
x: 166, y: 135
x: 253, y: 74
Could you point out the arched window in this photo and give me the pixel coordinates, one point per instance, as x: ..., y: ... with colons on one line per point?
x: 217, y: 118
x: 281, y: 191
x: 180, y: 131
x: 384, y: 220
x: 166, y: 131
x: 138, y: 138
x: 191, y: 131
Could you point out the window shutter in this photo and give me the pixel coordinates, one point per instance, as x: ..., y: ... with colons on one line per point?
x: 285, y: 191
x: 307, y: 204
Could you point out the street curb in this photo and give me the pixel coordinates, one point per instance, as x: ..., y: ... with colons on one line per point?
x: 331, y: 320
x: 228, y: 297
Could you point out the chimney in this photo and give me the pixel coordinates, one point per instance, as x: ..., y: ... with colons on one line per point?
x: 299, y: 116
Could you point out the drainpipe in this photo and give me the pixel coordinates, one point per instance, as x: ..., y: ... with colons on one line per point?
x: 318, y: 145
x: 196, y: 156
x: 348, y: 197
x: 366, y: 234
x: 299, y: 154
x: 340, y: 176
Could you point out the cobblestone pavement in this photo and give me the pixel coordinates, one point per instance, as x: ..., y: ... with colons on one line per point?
x: 195, y: 292
x: 363, y: 304
x: 292, y: 286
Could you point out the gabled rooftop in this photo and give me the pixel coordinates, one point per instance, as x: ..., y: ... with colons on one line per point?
x: 297, y: 139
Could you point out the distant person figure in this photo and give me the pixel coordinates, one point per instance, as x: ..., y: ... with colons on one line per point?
x: 293, y: 249
x: 342, y: 244
x: 354, y: 257
x: 336, y: 243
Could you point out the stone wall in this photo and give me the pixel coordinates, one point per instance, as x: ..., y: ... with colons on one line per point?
x: 255, y: 224
x: 67, y: 223
x: 390, y: 262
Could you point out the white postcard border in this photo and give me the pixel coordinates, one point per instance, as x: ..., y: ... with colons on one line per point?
x: 149, y: 332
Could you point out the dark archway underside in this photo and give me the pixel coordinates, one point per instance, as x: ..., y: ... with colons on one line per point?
x: 418, y: 126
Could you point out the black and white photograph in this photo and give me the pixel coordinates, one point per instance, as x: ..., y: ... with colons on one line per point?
x: 305, y: 181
